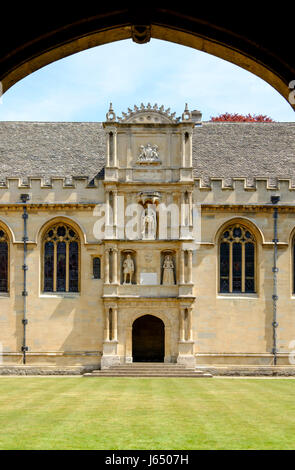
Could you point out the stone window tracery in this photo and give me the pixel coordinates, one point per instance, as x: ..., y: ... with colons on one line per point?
x: 237, y: 254
x: 61, y: 259
x: 3, y: 261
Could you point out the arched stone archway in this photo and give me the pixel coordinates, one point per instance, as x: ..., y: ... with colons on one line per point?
x: 148, y: 339
x: 31, y: 40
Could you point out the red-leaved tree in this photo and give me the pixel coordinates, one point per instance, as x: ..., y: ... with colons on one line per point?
x: 241, y: 118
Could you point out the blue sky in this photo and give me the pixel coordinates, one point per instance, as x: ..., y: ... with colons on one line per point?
x: 80, y: 87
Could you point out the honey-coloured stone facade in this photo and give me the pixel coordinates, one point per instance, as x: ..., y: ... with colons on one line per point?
x: 155, y: 222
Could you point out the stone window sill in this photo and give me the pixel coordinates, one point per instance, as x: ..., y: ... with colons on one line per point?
x: 237, y: 296
x: 148, y: 285
x: 60, y: 295
x: 4, y: 295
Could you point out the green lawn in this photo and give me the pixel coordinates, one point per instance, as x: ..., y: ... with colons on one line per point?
x: 127, y: 413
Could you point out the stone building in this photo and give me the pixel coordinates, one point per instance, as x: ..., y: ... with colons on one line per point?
x: 147, y: 238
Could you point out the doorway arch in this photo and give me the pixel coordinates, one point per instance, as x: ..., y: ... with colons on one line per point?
x: 148, y: 339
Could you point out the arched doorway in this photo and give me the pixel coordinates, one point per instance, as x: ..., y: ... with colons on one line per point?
x: 148, y: 339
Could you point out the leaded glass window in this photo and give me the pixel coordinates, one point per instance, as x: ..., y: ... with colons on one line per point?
x: 96, y: 268
x: 48, y: 266
x: 61, y: 259
x: 3, y: 261
x: 237, y: 260
x: 73, y: 267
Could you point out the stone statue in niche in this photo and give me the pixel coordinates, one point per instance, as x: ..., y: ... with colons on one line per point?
x: 128, y: 269
x: 148, y: 224
x: 168, y: 271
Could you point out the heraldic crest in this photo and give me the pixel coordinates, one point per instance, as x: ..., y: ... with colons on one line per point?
x: 148, y: 154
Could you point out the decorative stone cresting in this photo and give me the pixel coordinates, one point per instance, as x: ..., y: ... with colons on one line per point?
x: 149, y: 114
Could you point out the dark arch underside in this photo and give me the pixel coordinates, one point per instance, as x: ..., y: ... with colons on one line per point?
x: 259, y: 41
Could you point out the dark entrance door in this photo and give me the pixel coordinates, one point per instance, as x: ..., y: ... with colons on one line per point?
x: 148, y: 339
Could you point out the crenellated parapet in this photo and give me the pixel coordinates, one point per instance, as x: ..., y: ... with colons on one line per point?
x: 55, y: 190
x: 204, y: 183
x: 243, y: 192
x: 49, y: 182
x: 84, y: 189
x: 248, y: 183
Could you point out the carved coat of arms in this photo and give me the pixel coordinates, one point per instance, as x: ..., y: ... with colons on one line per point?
x: 149, y: 154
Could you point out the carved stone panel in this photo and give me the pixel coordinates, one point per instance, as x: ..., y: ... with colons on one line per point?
x: 149, y: 154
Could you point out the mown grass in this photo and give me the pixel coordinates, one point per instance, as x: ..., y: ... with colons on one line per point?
x: 128, y: 413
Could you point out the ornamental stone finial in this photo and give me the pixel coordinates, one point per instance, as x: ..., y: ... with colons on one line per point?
x: 186, y: 115
x: 111, y: 115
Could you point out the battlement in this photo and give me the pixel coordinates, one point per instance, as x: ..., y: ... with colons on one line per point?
x: 84, y: 189
x: 248, y: 183
x: 49, y: 182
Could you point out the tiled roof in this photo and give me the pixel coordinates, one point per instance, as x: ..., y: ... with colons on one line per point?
x: 230, y: 150
x: 222, y: 150
x: 51, y: 149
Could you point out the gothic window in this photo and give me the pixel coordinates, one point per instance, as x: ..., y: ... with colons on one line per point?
x: 3, y: 261
x: 61, y: 259
x: 96, y: 268
x: 237, y: 260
